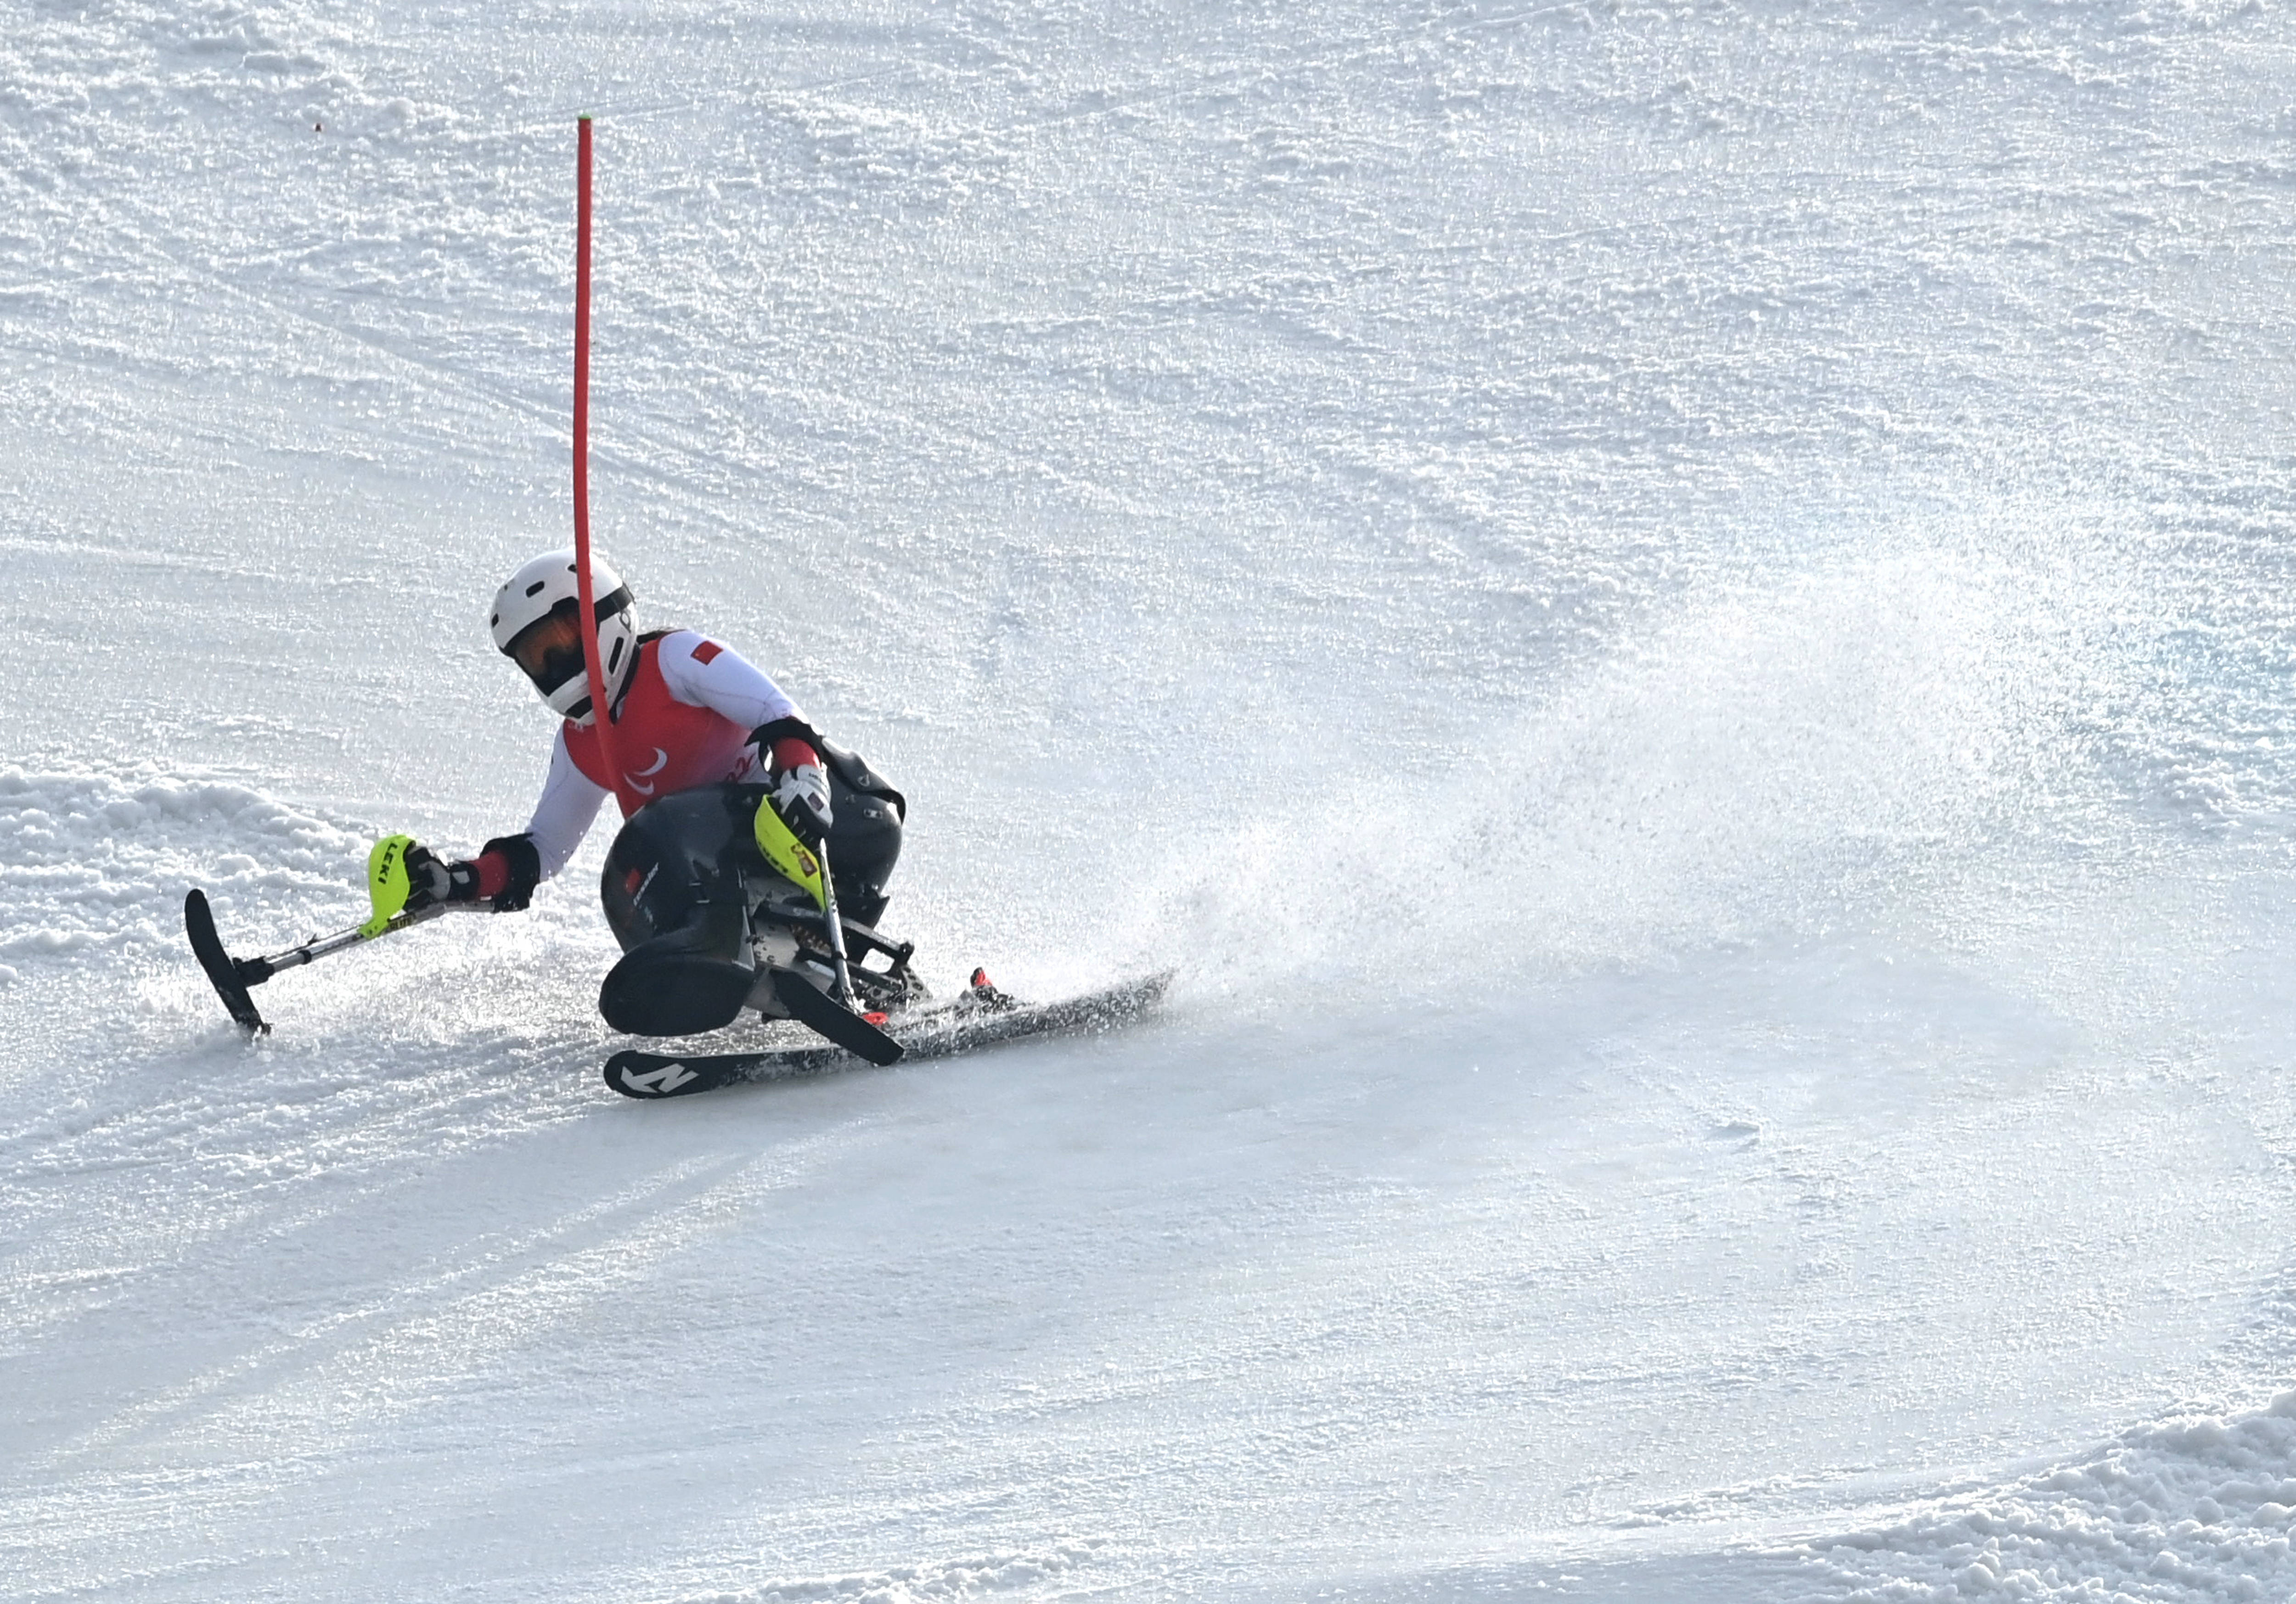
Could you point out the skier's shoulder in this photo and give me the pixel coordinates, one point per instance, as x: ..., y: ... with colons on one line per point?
x: 684, y: 646
x: 701, y: 671
x: 684, y: 654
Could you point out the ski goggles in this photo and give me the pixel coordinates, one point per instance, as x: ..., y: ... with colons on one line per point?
x: 550, y: 648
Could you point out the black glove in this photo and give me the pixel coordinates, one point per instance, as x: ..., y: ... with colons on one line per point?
x: 522, y: 863
x: 431, y: 879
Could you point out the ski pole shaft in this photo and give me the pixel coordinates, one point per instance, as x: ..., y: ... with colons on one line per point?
x: 254, y: 971
x: 836, y: 927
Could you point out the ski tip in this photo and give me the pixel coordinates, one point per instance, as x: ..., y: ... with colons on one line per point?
x: 650, y: 1075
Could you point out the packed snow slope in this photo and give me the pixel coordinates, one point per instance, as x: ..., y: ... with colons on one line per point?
x: 1680, y: 617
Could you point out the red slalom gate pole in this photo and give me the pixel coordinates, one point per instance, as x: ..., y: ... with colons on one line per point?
x: 601, y: 715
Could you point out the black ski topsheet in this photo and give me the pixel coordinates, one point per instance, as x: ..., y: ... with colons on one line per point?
x: 199, y: 924
x: 953, y: 1027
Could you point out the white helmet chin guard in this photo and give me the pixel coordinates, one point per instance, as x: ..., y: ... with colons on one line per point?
x: 534, y: 624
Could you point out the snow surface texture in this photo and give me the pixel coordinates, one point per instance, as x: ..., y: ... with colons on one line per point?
x: 1680, y: 615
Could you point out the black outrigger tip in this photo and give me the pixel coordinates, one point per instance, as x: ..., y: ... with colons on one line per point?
x: 809, y: 1005
x: 230, y: 982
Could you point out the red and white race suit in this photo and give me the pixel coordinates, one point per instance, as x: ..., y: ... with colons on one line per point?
x: 685, y: 721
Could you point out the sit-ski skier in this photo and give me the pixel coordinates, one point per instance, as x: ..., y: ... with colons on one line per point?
x: 688, y: 712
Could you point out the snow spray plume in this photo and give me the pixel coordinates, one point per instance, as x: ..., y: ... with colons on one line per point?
x: 1884, y: 743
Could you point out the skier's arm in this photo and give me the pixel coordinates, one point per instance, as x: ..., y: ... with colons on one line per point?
x: 507, y: 868
x: 570, y: 801
x: 701, y: 673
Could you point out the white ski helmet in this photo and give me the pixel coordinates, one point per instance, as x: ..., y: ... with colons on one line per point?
x: 534, y: 626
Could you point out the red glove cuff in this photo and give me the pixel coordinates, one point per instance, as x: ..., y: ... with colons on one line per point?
x: 493, y: 874
x: 789, y: 752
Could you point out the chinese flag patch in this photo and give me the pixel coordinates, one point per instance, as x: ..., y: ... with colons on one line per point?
x: 707, y: 652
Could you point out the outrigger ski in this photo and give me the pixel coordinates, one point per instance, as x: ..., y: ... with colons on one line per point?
x: 223, y: 972
x: 231, y: 977
x: 980, y: 1018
